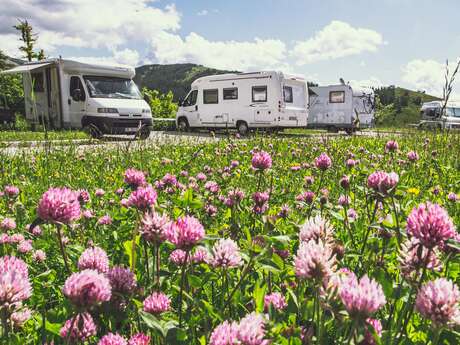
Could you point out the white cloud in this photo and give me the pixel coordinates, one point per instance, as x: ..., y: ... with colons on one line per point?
x: 428, y: 75
x: 91, y: 24
x: 233, y: 55
x: 202, y: 13
x: 367, y: 83
x: 338, y: 39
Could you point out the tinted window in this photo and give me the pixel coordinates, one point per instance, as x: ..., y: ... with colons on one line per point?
x: 259, y: 93
x: 191, y: 99
x: 211, y: 96
x: 337, y: 97
x: 37, y: 82
x: 231, y: 93
x: 75, y: 83
x: 288, y: 98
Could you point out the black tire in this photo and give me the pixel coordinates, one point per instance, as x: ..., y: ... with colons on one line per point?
x: 144, y: 133
x: 242, y: 127
x: 349, y: 131
x: 332, y: 129
x: 93, y: 131
x: 182, y: 125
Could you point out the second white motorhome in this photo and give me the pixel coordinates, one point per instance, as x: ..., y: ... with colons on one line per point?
x: 245, y: 101
x: 70, y: 94
x: 341, y: 107
x: 434, y: 117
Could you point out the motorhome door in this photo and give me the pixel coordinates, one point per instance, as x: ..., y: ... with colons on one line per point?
x: 262, y: 114
x: 191, y: 109
x: 76, y: 101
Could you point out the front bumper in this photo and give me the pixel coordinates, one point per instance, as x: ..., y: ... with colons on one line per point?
x: 114, y: 125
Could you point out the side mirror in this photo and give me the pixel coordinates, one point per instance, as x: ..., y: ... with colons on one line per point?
x: 76, y: 95
x: 181, y: 102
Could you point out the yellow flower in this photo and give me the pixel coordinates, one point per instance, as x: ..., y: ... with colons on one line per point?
x: 414, y: 191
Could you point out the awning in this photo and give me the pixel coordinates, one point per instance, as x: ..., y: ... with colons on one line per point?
x: 25, y: 68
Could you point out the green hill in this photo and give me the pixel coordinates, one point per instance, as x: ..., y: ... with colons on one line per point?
x: 176, y: 77
x: 398, y: 107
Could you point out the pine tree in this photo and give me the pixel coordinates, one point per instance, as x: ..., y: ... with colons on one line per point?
x: 41, y: 55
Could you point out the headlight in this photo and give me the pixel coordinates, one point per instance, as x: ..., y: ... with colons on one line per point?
x: 107, y: 110
x: 146, y: 111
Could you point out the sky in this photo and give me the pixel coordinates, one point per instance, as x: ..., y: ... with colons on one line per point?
x: 365, y: 42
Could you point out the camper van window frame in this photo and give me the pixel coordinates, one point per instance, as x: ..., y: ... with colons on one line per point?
x: 337, y: 92
x: 205, y: 101
x: 265, y: 88
x: 38, y: 82
x: 190, y: 100
x: 80, y: 86
x: 291, y: 99
x: 231, y: 89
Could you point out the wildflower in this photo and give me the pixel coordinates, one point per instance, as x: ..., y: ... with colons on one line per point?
x: 134, y: 178
x: 7, y: 224
x: 344, y: 200
x: 284, y: 211
x: 453, y: 197
x: 234, y: 197
x: 413, y: 256
x: 261, y: 160
x: 87, y: 214
x: 226, y: 254
x: 372, y: 325
x: 345, y: 182
x: 4, y: 238
x: 81, y: 327
x: 201, y: 177
x: 251, y: 330
x: 39, y: 255
x: 210, y: 210
x: 157, y: 303
x: 59, y: 205
x: 105, y: 220
x: 119, y: 191
x: 314, y: 260
x: 212, y: 187
x: 412, y: 156
x: 99, y: 192
x: 154, y: 227
x: 139, y: 339
x: 323, y: 162
x: 11, y: 191
x: 177, y: 257
x: 20, y: 317
x: 185, y: 232
x: 112, y: 339
x: 225, y: 334
x: 309, y: 180
x: 382, y: 182
x: 200, y: 255
x: 25, y: 246
x: 275, y: 299
x: 316, y: 228
x: 391, y: 146
x: 352, y: 214
x: 36, y: 230
x: 143, y: 197
x: 361, y: 298
x: 307, y: 197
x: 260, y: 200
x: 87, y: 288
x: 15, y: 286
x: 94, y: 258
x: 83, y: 196
x: 122, y: 280
x: 430, y: 224
x: 350, y: 163
x: 17, y: 238
x: 438, y: 301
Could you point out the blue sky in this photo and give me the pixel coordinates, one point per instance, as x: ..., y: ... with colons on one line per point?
x: 402, y: 42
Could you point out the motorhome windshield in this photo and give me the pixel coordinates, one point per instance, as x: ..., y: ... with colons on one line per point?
x: 453, y: 112
x: 111, y: 87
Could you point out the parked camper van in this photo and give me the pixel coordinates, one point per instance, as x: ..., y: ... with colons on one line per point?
x: 341, y: 107
x: 432, y: 116
x: 245, y: 101
x: 70, y: 94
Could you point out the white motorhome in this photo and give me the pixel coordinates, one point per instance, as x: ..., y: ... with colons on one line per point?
x: 245, y: 101
x: 71, y: 94
x: 432, y: 116
x: 341, y: 107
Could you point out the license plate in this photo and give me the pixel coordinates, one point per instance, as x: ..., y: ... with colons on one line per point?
x: 131, y: 129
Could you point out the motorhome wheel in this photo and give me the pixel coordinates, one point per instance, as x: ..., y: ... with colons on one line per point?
x: 93, y: 131
x: 144, y: 133
x: 182, y: 125
x: 243, y: 128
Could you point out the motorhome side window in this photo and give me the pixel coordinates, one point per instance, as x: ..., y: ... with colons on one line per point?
x: 337, y: 97
x: 191, y: 98
x: 288, y: 98
x: 259, y: 93
x: 231, y: 93
x: 76, y: 84
x: 37, y: 82
x: 210, y: 96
